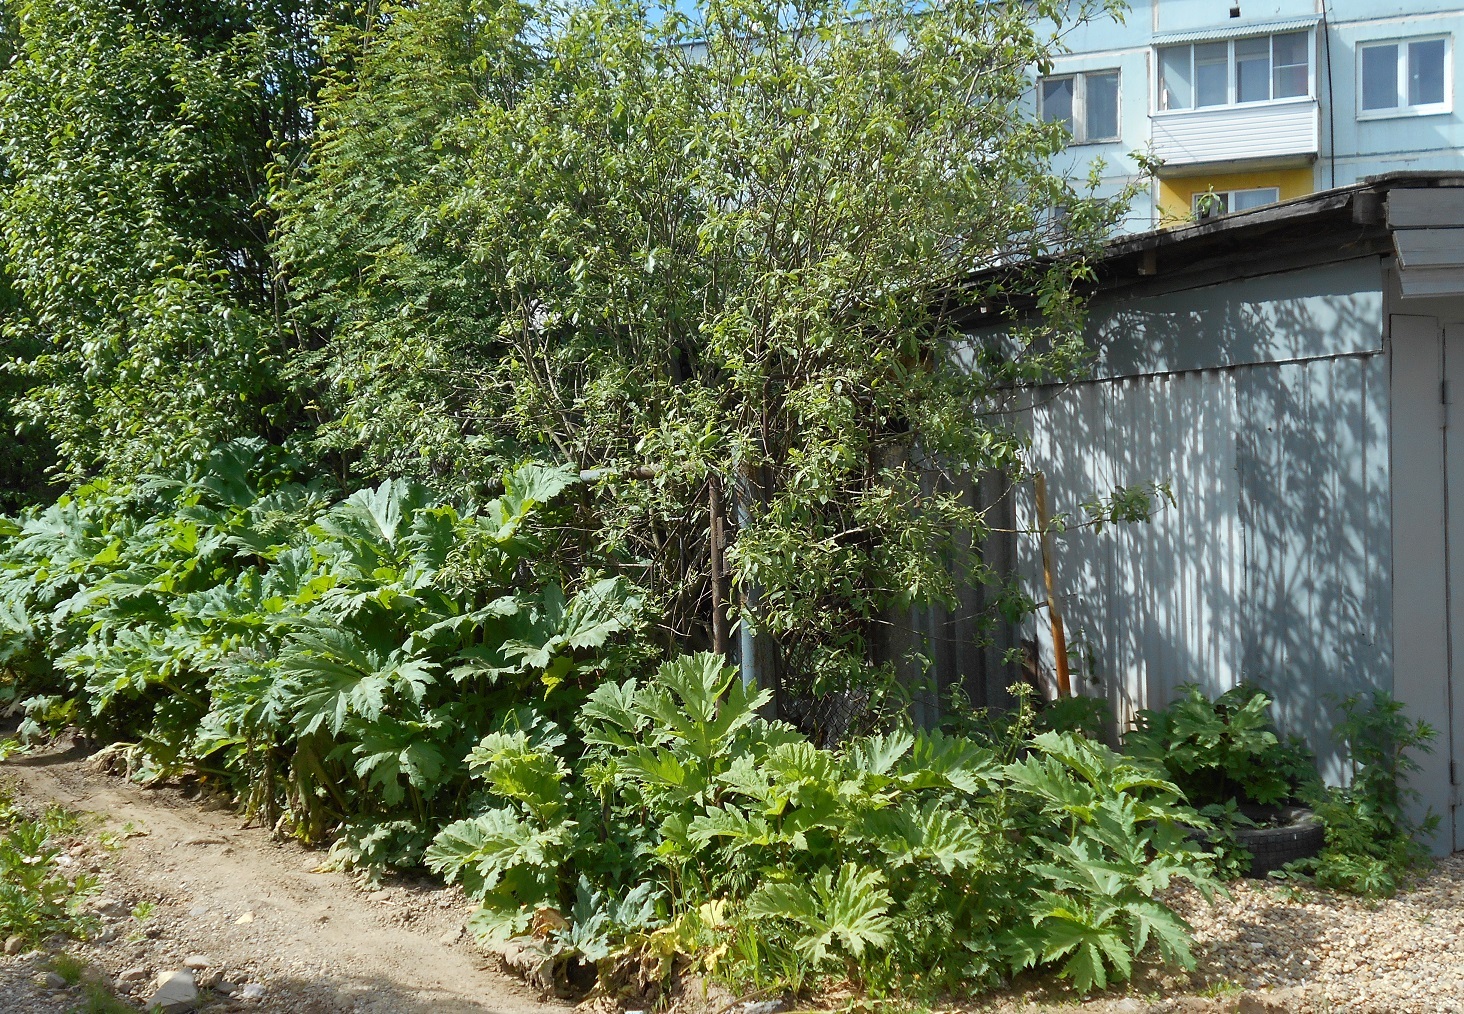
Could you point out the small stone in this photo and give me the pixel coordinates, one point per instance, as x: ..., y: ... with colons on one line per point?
x: 106, y: 905
x: 244, y: 919
x: 1281, y: 1001
x: 252, y: 991
x: 132, y: 975
x: 13, y: 944
x: 223, y: 987
x: 765, y: 1007
x: 195, y: 962
x: 379, y: 896
x: 55, y: 981
x: 451, y: 937
x: 198, y: 911
x: 176, y: 992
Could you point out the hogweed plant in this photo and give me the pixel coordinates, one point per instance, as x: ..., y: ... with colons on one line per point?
x: 899, y: 855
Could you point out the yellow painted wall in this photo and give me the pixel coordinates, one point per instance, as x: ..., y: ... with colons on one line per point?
x: 1177, y: 192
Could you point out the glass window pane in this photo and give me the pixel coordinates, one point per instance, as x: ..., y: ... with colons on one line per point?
x: 1212, y: 68
x: 1290, y: 82
x: 1242, y: 200
x: 1253, y: 69
x: 1380, y: 77
x: 1174, y: 78
x: 1289, y: 49
x: 1100, y: 105
x: 1291, y: 63
x: 1426, y: 72
x: 1057, y: 100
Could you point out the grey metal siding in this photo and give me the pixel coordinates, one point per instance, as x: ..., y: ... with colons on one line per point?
x: 1335, y: 309
x: 1274, y: 563
x: 1317, y: 543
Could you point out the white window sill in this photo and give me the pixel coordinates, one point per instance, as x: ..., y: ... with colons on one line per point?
x: 1406, y: 112
x: 1294, y: 100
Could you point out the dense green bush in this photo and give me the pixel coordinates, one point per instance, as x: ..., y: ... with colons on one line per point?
x: 1373, y: 845
x: 330, y: 662
x: 405, y: 678
x: 899, y: 853
x: 1225, y: 754
x: 1221, y: 750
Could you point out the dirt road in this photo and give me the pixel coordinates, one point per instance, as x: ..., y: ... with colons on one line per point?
x: 256, y: 909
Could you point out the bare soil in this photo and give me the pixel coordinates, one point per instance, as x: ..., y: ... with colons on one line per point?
x: 258, y: 909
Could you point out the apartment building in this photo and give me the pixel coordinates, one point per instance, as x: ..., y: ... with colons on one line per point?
x: 1249, y: 102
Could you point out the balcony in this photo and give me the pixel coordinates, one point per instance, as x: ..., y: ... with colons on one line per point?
x: 1261, y: 132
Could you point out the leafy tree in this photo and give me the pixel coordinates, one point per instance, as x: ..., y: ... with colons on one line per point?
x: 136, y: 142
x: 725, y: 249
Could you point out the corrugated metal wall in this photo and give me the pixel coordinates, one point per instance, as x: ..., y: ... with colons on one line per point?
x: 1273, y: 564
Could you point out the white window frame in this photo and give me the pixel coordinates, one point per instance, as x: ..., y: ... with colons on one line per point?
x: 1427, y: 109
x: 1080, y: 103
x: 1230, y: 101
x: 1229, y: 196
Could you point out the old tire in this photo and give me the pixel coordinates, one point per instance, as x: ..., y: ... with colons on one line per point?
x: 1294, y: 832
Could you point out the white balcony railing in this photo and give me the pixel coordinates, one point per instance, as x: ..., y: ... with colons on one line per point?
x: 1198, y: 137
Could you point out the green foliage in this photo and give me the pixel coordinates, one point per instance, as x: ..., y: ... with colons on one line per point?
x: 1222, y: 749
x: 902, y: 853
x: 1085, y: 716
x: 385, y: 672
x: 69, y: 967
x: 322, y: 660
x: 1373, y: 845
x: 687, y: 244
x: 135, y: 142
x: 97, y: 998
x: 717, y: 254
x: 38, y: 896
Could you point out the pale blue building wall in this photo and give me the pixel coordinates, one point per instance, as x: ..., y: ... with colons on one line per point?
x: 1349, y: 149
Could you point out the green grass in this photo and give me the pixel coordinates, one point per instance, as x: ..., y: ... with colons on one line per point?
x: 98, y: 999
x: 38, y: 897
x: 69, y: 967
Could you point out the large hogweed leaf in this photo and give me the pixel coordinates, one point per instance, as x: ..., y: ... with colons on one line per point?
x: 850, y: 909
x: 554, y: 627
x: 334, y: 674
x: 503, y: 861
x: 389, y: 750
x: 522, y: 765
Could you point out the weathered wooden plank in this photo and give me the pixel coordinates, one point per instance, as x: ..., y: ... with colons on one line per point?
x: 1429, y: 248
x: 1425, y: 207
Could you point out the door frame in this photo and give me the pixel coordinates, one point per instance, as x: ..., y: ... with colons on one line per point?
x: 1421, y: 607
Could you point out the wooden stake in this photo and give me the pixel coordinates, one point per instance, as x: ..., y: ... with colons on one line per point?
x: 716, y: 533
x: 1059, y: 640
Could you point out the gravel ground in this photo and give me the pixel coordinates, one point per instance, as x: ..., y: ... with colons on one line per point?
x: 1403, y: 955
x: 1270, y: 949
